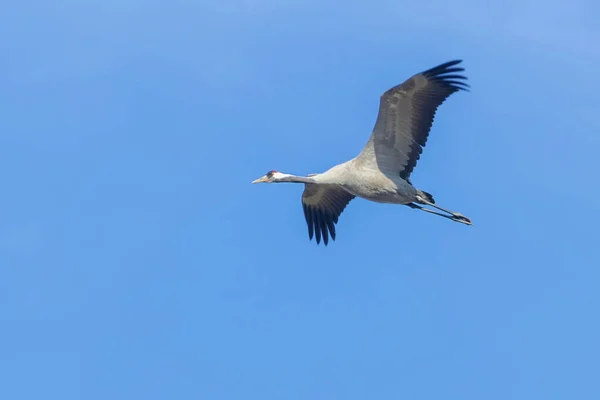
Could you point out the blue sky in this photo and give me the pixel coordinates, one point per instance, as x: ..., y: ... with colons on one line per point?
x: 137, y: 260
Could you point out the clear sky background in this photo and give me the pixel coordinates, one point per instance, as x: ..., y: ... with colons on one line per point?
x: 138, y: 262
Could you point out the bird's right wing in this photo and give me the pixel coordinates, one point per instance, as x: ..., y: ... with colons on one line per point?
x: 406, y: 113
x: 322, y: 206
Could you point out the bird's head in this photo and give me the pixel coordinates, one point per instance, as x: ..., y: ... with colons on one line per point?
x: 271, y: 177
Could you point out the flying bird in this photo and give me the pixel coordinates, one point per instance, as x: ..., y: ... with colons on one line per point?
x: 381, y: 172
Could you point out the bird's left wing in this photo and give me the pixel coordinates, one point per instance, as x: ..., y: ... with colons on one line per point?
x: 322, y: 206
x: 406, y: 113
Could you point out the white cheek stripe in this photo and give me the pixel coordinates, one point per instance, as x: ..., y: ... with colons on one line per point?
x: 279, y: 175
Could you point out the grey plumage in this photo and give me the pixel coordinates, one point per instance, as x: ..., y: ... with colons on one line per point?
x: 405, y: 117
x: 381, y: 171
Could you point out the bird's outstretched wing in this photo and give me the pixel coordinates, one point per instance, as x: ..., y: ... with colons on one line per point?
x: 406, y: 113
x: 322, y: 206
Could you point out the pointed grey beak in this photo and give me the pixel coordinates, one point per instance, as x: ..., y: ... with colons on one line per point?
x: 260, y: 180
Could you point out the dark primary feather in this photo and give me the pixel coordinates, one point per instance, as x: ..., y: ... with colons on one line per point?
x: 406, y: 114
x: 322, y: 205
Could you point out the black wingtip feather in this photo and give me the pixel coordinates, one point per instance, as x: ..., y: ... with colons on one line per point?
x: 320, y: 223
x: 455, y: 69
x: 323, y: 227
x: 442, y: 68
x: 317, y: 226
x: 309, y: 221
x: 322, y: 218
x: 453, y: 77
x: 446, y: 75
x: 331, y: 227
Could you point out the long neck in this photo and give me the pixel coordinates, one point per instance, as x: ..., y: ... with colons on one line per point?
x: 297, y: 179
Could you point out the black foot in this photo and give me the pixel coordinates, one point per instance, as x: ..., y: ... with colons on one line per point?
x: 462, y: 219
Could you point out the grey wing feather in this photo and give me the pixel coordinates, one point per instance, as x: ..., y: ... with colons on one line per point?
x: 406, y: 113
x: 322, y: 205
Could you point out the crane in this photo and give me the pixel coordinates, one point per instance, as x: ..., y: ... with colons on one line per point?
x: 381, y: 171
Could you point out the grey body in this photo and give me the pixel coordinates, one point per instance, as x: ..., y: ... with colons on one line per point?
x: 381, y: 171
x: 369, y: 183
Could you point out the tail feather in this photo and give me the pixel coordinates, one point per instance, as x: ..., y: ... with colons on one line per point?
x: 427, y: 196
